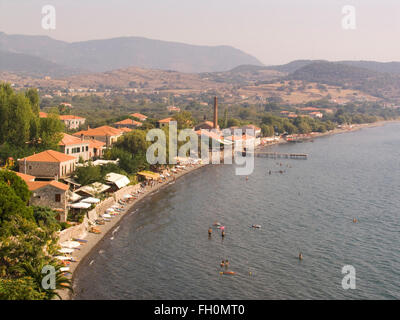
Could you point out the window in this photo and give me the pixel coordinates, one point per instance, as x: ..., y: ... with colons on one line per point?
x: 30, y: 167
x: 87, y: 148
x: 58, y: 197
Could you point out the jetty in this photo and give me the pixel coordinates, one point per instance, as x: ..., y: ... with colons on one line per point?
x: 277, y: 155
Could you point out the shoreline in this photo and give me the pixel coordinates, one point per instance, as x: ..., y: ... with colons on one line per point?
x: 352, y: 128
x: 93, y: 240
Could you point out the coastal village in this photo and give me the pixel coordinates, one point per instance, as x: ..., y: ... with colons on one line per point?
x: 88, y: 210
x: 49, y: 174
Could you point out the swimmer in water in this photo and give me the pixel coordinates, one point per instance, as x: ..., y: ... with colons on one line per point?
x: 354, y: 220
x: 209, y: 231
x: 223, y: 234
x: 222, y: 263
x: 226, y: 263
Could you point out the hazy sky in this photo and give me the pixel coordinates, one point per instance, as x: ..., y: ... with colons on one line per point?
x: 274, y: 31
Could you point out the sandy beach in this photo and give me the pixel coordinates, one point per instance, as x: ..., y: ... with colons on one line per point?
x: 94, y: 239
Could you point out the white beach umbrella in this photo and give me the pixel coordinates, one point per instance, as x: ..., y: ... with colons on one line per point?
x: 70, y: 244
x: 62, y: 258
x: 66, y: 250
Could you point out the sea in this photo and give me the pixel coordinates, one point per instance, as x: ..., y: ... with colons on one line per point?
x: 162, y: 249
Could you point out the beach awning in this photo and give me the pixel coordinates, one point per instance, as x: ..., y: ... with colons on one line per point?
x: 118, y: 179
x: 80, y: 205
x: 149, y: 175
x: 91, y: 200
x: 93, y: 189
x: 73, y: 197
x: 72, y: 181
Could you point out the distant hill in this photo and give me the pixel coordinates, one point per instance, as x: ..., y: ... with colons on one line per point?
x: 31, y: 65
x: 332, y: 73
x: 117, y: 53
x: 387, y: 67
x: 384, y: 67
x: 378, y: 84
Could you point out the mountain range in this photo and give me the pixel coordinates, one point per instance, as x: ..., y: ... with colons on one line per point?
x: 42, y: 55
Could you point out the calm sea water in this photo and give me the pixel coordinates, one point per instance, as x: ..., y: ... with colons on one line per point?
x: 163, y: 251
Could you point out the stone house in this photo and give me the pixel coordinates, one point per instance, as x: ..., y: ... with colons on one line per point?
x: 48, y: 164
x: 52, y: 194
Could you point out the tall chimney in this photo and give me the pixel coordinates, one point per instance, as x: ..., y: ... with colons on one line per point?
x: 215, y: 112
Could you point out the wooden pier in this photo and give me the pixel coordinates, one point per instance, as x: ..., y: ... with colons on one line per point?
x: 278, y: 155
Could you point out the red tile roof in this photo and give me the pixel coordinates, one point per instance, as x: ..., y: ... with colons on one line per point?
x: 48, y: 156
x: 70, y: 117
x: 34, y: 185
x: 71, y: 140
x: 139, y: 116
x: 96, y: 144
x: 166, y: 120
x: 42, y: 114
x: 100, y: 131
x: 129, y: 122
x: 25, y: 177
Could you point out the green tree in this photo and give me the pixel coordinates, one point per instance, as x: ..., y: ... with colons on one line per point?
x: 133, y: 142
x: 267, y: 130
x: 88, y: 174
x: 23, y: 288
x: 184, y: 120
x: 34, y: 269
x: 12, y: 205
x: 16, y: 183
x: 51, y: 131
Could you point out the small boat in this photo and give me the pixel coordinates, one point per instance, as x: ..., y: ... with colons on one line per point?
x: 216, y: 224
x: 256, y: 226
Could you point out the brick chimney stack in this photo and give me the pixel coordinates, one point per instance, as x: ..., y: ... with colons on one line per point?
x: 215, y: 112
